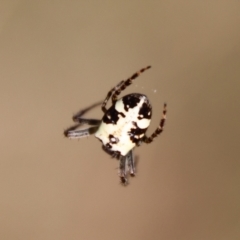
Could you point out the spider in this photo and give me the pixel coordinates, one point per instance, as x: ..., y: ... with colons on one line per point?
x: 122, y: 127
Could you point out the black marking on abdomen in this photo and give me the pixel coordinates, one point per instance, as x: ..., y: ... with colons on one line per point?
x: 108, y: 146
x: 112, y: 116
x: 145, y: 111
x: 131, y: 101
x: 136, y: 132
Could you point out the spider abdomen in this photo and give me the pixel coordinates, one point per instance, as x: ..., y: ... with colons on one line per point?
x: 124, y: 124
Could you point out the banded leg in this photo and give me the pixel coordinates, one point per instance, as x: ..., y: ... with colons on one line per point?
x: 76, y: 134
x: 82, y: 121
x: 110, y: 93
x: 126, y: 166
x: 160, y: 127
x: 131, y: 163
x: 123, y: 170
x: 71, y: 132
x: 126, y: 83
x: 78, y: 115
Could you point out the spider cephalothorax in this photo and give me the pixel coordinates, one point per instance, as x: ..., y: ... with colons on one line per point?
x: 122, y: 127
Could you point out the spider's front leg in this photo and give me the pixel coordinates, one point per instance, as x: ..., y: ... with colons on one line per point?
x: 110, y: 93
x: 126, y: 83
x: 114, y: 92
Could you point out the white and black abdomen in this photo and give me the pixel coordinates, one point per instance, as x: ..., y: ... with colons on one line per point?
x: 124, y: 124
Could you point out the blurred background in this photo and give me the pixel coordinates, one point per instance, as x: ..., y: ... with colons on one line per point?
x: 57, y: 57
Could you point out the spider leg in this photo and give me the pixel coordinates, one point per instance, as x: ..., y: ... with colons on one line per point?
x: 71, y: 132
x: 82, y: 121
x: 76, y: 134
x: 79, y: 114
x: 160, y: 127
x: 131, y: 163
x: 122, y: 170
x: 126, y: 165
x: 126, y: 83
x: 110, y: 93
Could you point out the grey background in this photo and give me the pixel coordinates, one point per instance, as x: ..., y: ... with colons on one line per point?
x: 57, y: 57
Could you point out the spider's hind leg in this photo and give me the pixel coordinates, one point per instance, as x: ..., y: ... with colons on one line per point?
x: 78, y: 116
x: 82, y: 121
x: 72, y: 131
